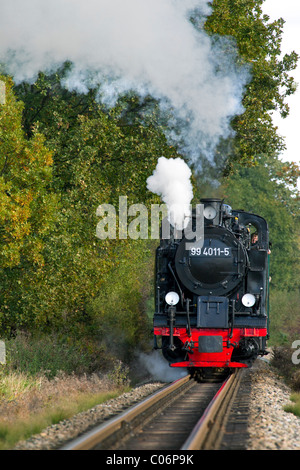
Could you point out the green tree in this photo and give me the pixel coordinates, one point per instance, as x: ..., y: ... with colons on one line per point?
x: 98, y: 155
x: 27, y: 204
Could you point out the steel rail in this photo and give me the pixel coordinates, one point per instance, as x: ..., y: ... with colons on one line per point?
x: 90, y: 439
x: 207, y: 434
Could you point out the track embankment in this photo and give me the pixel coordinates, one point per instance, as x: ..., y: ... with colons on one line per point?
x: 256, y: 420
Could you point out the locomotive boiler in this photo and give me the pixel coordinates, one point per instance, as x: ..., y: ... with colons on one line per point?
x: 211, y: 298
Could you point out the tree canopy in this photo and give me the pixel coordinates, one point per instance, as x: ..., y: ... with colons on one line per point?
x: 27, y: 204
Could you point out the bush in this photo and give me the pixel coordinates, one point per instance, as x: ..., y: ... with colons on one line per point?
x: 284, y: 317
x: 49, y: 355
x: 122, y: 309
x: 282, y: 361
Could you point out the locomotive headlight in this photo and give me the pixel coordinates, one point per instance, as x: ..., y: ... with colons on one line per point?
x: 172, y: 298
x: 248, y: 300
x: 209, y: 212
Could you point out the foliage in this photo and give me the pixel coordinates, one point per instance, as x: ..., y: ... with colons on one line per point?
x: 50, y: 355
x: 27, y: 204
x: 282, y: 361
x: 120, y: 310
x: 97, y: 156
x: 285, y: 317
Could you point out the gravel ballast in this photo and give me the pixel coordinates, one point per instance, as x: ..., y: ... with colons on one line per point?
x: 269, y: 426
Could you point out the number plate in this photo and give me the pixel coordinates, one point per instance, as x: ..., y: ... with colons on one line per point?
x: 208, y: 251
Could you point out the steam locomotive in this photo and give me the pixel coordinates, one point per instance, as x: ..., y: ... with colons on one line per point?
x: 211, y: 298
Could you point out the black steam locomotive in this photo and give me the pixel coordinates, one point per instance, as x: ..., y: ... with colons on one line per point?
x: 211, y: 302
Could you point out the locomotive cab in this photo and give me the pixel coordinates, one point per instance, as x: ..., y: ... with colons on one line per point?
x: 220, y: 317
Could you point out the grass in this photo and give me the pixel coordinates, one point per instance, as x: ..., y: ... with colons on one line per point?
x: 295, y: 408
x: 24, y: 425
x: 15, y: 384
x: 30, y: 404
x: 47, y: 380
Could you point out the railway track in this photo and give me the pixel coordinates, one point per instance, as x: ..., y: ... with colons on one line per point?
x: 185, y: 415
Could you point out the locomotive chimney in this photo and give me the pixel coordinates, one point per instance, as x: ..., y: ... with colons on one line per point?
x: 212, y: 211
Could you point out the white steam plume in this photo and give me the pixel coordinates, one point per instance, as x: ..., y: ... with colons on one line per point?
x: 149, y: 46
x: 171, y: 181
x: 159, y: 368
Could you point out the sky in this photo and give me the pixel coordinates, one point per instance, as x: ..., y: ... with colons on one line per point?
x: 289, y: 10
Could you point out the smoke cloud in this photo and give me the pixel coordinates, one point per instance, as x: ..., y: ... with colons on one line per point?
x: 149, y: 46
x: 171, y: 181
x: 159, y: 368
